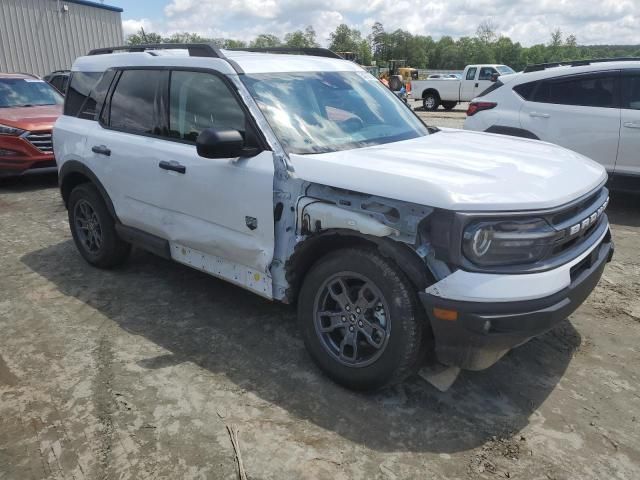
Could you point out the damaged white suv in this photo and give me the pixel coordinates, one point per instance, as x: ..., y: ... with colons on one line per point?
x: 303, y: 179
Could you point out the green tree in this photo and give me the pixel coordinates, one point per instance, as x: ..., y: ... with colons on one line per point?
x: 141, y: 37
x: 185, y: 37
x: 300, y: 39
x: 265, y: 40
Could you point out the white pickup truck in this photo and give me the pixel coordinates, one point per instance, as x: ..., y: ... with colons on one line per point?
x: 448, y: 92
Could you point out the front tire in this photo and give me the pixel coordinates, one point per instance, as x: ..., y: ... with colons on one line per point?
x: 360, y: 319
x: 93, y: 228
x: 430, y: 102
x: 448, y: 105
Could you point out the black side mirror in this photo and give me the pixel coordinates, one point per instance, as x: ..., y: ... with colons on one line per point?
x: 212, y: 143
x: 494, y: 77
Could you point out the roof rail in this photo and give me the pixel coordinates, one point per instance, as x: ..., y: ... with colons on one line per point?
x: 312, y: 51
x: 577, y: 63
x: 194, y: 49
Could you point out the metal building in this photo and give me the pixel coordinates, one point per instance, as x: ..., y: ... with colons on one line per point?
x: 39, y: 36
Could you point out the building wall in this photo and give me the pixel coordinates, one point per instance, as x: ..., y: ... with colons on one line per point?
x: 37, y: 36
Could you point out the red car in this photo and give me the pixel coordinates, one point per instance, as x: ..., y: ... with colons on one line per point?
x: 28, y: 109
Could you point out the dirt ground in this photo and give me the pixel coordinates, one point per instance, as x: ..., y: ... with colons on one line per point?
x: 136, y: 373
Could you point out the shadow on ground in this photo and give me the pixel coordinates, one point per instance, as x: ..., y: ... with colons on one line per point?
x: 28, y: 183
x: 256, y: 344
x: 624, y: 209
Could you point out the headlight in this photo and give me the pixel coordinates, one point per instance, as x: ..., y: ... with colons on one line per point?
x: 7, y: 130
x: 507, y: 242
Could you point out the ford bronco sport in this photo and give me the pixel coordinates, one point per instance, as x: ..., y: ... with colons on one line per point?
x: 303, y: 179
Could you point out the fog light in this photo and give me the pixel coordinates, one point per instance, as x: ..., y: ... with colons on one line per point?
x: 4, y: 152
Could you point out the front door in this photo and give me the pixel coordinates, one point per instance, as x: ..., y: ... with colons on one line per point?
x: 222, y: 208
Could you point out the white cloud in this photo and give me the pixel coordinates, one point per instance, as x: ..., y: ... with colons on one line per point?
x: 526, y: 21
x: 131, y: 26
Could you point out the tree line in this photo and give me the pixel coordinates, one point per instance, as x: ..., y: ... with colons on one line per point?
x: 420, y: 51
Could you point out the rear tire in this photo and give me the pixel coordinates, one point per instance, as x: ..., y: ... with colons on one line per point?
x: 449, y: 105
x: 93, y: 228
x: 349, y: 304
x: 430, y: 102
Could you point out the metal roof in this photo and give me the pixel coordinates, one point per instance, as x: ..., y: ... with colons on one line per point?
x: 96, y: 5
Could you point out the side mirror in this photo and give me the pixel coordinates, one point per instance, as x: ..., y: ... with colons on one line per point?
x: 494, y: 77
x: 212, y: 143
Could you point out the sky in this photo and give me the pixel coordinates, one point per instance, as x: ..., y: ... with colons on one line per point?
x: 526, y: 21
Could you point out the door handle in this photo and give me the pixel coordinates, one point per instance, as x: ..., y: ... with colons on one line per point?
x: 477, y: 85
x: 101, y: 150
x: 632, y: 124
x: 173, y: 166
x: 539, y: 115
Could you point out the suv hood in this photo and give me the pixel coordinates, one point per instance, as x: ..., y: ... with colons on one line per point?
x: 459, y: 170
x: 31, y: 118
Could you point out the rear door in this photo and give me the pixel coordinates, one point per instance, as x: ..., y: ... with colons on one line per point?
x: 122, y: 148
x: 629, y: 150
x: 579, y: 112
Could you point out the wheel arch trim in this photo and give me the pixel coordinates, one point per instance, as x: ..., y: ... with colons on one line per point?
x: 314, y: 247
x: 73, y: 167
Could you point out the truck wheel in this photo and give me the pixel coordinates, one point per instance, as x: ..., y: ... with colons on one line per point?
x: 360, y: 319
x: 93, y: 228
x: 449, y: 105
x: 430, y: 102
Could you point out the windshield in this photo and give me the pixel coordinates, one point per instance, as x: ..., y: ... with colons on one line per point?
x: 27, y: 92
x: 504, y: 70
x: 317, y: 112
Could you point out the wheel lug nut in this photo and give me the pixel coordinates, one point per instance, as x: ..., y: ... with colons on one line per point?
x: 351, y: 328
x: 358, y: 310
x: 344, y: 319
x: 348, y: 308
x: 360, y: 324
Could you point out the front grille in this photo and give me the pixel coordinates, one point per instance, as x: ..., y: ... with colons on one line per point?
x: 591, y: 209
x: 42, y: 141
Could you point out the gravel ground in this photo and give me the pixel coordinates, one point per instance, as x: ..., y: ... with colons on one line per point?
x: 137, y: 372
x: 441, y: 118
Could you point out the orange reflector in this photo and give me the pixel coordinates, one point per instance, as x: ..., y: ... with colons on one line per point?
x: 444, y: 314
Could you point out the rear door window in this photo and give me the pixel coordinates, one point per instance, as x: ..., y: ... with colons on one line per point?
x: 134, y: 107
x: 471, y: 73
x: 593, y: 90
x: 631, y: 90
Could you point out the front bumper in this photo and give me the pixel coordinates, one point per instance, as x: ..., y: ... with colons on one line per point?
x: 18, y: 156
x: 484, y: 331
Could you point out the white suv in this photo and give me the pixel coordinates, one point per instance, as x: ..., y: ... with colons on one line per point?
x: 303, y: 179
x: 589, y: 106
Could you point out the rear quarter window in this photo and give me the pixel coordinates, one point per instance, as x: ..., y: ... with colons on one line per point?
x: 80, y: 86
x: 525, y: 90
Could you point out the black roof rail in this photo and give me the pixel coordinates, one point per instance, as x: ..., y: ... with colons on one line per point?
x: 194, y: 49
x: 312, y: 51
x: 577, y: 63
